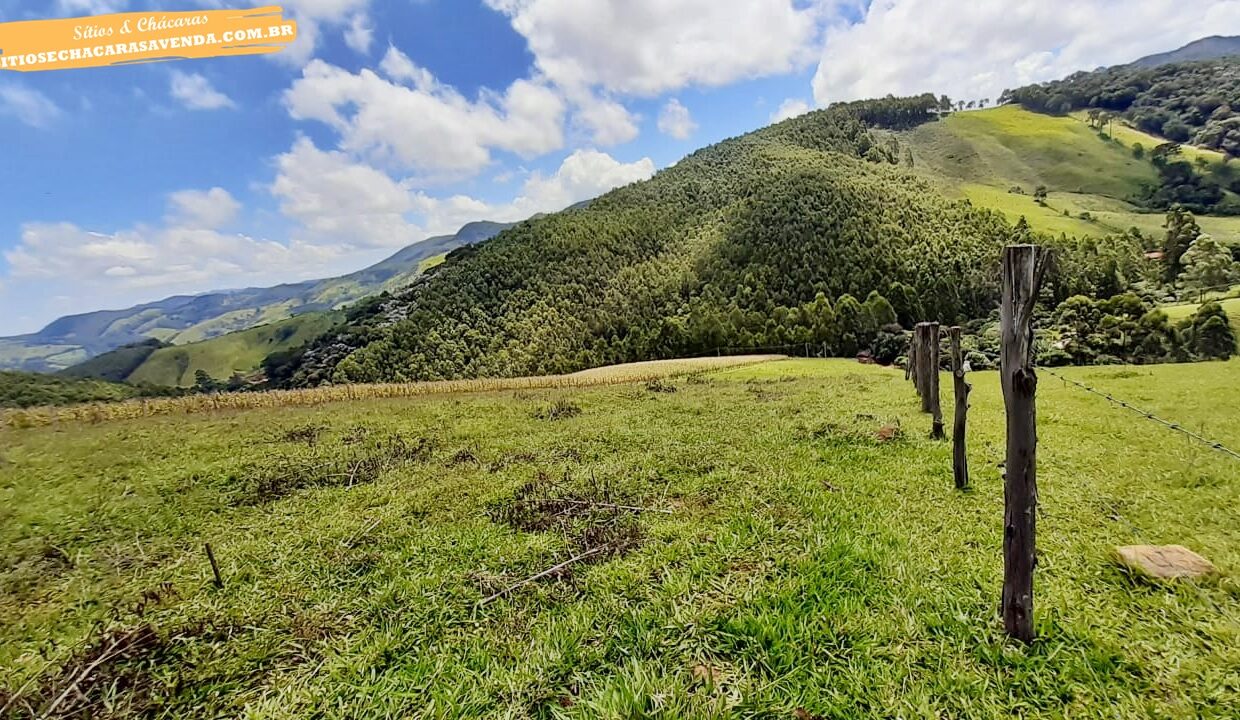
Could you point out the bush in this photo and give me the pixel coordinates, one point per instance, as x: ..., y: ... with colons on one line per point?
x: 1213, y: 337
x: 890, y: 344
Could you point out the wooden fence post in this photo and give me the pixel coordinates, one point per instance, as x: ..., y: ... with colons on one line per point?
x: 960, y: 460
x: 1023, y: 266
x: 922, y: 369
x: 936, y: 411
x: 908, y: 357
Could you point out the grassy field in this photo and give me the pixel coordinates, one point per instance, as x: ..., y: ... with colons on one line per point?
x: 1180, y: 312
x: 214, y: 402
x: 790, y: 561
x: 222, y: 356
x: 983, y: 154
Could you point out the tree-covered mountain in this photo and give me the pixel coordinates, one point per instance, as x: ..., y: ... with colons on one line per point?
x: 809, y: 232
x: 73, y: 339
x: 1207, y: 48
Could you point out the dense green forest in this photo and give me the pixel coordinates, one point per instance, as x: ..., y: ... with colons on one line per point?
x: 809, y: 232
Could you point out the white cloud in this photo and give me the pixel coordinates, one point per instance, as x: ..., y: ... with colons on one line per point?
x: 347, y: 214
x: 359, y: 34
x: 397, y: 66
x: 29, y: 106
x: 59, y: 268
x: 607, y: 121
x: 675, y: 120
x: 790, y: 108
x: 195, y: 92
x: 648, y: 47
x: 202, y: 209
x: 311, y: 17
x: 426, y: 126
x: 912, y: 46
x: 338, y: 201
x: 583, y: 175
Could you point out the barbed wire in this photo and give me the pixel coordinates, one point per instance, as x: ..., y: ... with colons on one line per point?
x: 1146, y: 414
x: 812, y: 349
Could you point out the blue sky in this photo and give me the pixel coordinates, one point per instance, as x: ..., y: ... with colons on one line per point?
x: 393, y: 120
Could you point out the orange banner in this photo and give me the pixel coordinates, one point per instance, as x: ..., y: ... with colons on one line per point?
x: 142, y: 37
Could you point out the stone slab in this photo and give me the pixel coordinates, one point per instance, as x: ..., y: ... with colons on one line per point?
x: 1164, y: 562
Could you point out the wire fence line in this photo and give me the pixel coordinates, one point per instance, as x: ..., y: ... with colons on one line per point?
x: 1146, y: 414
x: 819, y: 350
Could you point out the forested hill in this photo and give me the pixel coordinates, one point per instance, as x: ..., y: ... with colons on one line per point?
x: 779, y: 236
x: 1189, y: 102
x: 1207, y: 48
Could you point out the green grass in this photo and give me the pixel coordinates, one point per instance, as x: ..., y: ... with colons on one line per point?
x: 432, y: 261
x: 1016, y: 205
x: 804, y: 564
x: 1230, y: 305
x: 1130, y: 136
x: 222, y: 356
x: 1008, y: 145
x: 982, y: 154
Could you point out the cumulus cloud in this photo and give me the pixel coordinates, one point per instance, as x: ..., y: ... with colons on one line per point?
x: 675, y: 120
x: 196, y: 92
x: 335, y: 200
x: 410, y: 119
x: 606, y: 120
x: 912, y: 46
x: 203, y: 209
x: 27, y: 105
x: 648, y: 47
x: 340, y: 202
x: 583, y: 175
x: 790, y: 108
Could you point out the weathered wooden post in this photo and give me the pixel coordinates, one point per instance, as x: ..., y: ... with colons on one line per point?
x: 922, y: 369
x: 908, y: 358
x: 1023, y: 266
x: 932, y: 361
x: 960, y: 460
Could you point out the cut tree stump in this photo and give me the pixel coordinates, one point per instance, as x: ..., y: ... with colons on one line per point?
x: 1164, y: 562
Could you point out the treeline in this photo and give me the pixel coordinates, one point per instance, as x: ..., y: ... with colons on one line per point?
x: 1185, y: 102
x: 804, y: 232
x: 1127, y: 329
x: 26, y: 389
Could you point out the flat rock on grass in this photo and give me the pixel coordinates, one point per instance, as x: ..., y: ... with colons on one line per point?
x: 1164, y: 562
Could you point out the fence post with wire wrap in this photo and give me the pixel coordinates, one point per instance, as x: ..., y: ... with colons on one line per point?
x: 1023, y: 267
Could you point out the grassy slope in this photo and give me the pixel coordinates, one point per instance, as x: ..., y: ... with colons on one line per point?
x: 982, y: 154
x: 241, y: 351
x: 1129, y: 136
x: 804, y: 565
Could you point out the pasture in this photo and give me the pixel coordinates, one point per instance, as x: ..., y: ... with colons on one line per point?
x: 779, y: 540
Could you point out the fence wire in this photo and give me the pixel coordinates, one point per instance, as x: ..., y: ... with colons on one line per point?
x: 1146, y: 414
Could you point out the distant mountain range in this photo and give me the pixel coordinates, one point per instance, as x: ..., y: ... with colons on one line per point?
x: 191, y: 318
x: 1207, y: 48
